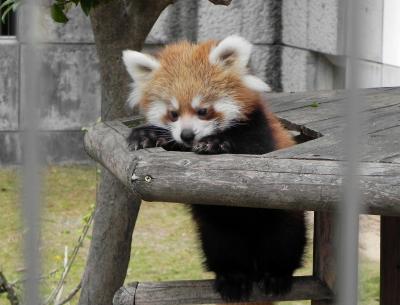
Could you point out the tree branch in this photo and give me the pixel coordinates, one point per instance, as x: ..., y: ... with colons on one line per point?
x: 5, y: 287
x: 72, y: 294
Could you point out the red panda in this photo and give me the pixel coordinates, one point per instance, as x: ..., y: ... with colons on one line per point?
x: 202, y: 98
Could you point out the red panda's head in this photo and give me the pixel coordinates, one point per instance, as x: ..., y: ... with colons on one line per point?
x: 195, y: 90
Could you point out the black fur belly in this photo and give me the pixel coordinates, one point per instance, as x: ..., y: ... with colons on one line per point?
x: 243, y: 246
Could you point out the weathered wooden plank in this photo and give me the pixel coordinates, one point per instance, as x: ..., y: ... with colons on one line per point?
x: 389, y: 131
x: 202, y: 292
x: 380, y: 146
x: 390, y: 260
x: 327, y: 117
x: 261, y: 182
x: 285, y: 103
x: 110, y: 247
x: 375, y: 119
x: 324, y: 262
x: 324, y: 148
x: 282, y: 102
x: 251, y: 181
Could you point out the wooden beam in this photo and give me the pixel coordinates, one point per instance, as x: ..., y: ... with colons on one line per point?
x: 241, y: 180
x: 116, y: 212
x: 390, y: 260
x: 202, y: 292
x: 324, y: 262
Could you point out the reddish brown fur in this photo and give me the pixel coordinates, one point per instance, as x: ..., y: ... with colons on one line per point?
x: 186, y: 72
x: 281, y: 136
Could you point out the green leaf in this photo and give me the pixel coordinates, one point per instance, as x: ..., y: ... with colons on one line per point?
x: 4, y: 16
x: 58, y: 14
x: 6, y: 3
x: 86, y: 5
x: 314, y: 105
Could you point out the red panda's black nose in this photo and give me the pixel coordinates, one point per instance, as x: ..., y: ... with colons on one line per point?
x: 187, y: 135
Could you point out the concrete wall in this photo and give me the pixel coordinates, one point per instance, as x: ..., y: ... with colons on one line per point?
x: 298, y: 46
x: 72, y: 90
x: 9, y: 101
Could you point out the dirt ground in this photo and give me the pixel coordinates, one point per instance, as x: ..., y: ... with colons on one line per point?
x: 369, y: 236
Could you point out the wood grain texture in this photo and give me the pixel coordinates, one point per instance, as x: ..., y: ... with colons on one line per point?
x: 117, y: 26
x: 324, y: 262
x: 241, y: 180
x: 202, y: 292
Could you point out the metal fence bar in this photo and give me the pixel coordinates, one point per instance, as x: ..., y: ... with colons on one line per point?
x: 350, y: 207
x: 31, y: 176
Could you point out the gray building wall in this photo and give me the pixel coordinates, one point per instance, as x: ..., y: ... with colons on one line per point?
x: 297, y: 47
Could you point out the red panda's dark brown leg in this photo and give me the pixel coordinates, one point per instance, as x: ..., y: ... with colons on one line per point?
x: 148, y: 136
x: 215, y: 144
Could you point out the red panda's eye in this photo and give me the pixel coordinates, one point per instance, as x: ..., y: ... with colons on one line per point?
x: 174, y: 115
x: 202, y: 112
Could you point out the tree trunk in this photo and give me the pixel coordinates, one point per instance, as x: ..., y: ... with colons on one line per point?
x: 117, y: 25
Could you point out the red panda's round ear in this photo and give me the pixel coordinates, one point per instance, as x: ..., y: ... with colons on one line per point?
x: 139, y: 65
x: 233, y: 51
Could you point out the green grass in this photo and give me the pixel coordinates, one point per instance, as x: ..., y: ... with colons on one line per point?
x: 165, y: 246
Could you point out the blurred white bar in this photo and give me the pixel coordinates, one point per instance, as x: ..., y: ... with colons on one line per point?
x: 349, y: 209
x: 31, y: 175
x: 391, y: 32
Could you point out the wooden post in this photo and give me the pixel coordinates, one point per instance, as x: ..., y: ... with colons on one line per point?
x: 110, y: 248
x: 117, y: 25
x: 323, y: 253
x: 390, y: 260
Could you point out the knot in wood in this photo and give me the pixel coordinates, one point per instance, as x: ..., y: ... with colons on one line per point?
x: 148, y: 179
x: 134, y: 178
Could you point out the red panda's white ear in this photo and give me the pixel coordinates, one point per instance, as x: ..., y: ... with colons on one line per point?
x: 233, y: 51
x: 256, y: 84
x: 139, y: 65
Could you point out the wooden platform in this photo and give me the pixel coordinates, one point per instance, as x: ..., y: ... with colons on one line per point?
x: 307, y: 176
x: 201, y: 292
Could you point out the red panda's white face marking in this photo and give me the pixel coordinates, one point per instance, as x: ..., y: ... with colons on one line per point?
x: 196, y: 102
x: 156, y: 113
x: 231, y: 111
x: 193, y: 125
x: 195, y: 90
x: 201, y: 119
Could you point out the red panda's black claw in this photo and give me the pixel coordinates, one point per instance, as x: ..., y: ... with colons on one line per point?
x: 147, y: 136
x: 161, y: 142
x: 212, y: 145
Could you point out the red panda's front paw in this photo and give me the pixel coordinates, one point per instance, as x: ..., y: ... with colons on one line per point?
x: 234, y: 287
x: 277, y: 285
x: 212, y: 145
x: 146, y: 137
